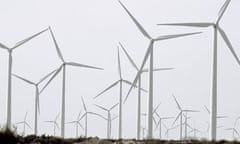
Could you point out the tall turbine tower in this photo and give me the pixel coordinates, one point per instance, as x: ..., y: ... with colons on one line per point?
x: 63, y: 67
x: 216, y: 28
x: 10, y: 61
x: 149, y: 53
x: 139, y: 88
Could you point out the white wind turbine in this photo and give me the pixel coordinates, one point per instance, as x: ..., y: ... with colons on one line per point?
x: 109, y: 118
x: 37, y: 93
x: 120, y: 82
x: 55, y: 124
x: 149, y: 53
x: 86, y: 116
x: 24, y: 124
x: 63, y: 67
x: 181, y: 115
x: 139, y: 88
x: 77, y: 123
x: 216, y: 29
x: 159, y: 123
x: 10, y: 61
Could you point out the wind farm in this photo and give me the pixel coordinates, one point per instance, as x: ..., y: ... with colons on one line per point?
x: 120, y: 71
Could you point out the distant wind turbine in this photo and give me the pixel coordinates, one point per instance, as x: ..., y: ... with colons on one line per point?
x: 86, y: 116
x: 159, y: 123
x: 109, y: 118
x: 37, y: 93
x: 10, y: 61
x: 120, y: 82
x: 216, y: 29
x: 77, y: 123
x: 149, y: 53
x: 24, y: 124
x: 63, y: 67
x: 55, y: 124
x: 139, y: 88
x: 181, y: 115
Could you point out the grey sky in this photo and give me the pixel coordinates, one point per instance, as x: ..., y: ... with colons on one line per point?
x: 88, y: 32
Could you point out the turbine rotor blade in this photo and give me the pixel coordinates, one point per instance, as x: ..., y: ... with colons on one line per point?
x: 157, y: 69
x: 175, y: 36
x: 207, y: 109
x: 4, y: 46
x: 56, y: 45
x: 113, y: 106
x: 23, y: 79
x: 139, y: 26
x: 46, y: 76
x: 177, y: 118
x: 82, y: 65
x: 106, y: 89
x: 28, y: 39
x: 222, y: 10
x: 178, y: 105
x: 188, y: 24
x: 84, y: 106
x: 227, y: 41
x: 101, y: 107
x: 129, y: 58
x: 50, y: 80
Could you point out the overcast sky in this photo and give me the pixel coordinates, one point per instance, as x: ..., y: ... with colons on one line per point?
x: 88, y: 32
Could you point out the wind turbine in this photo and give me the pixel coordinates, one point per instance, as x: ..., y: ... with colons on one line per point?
x: 86, y: 116
x: 168, y: 130
x: 55, y: 124
x: 180, y: 115
x: 37, y: 93
x: 216, y: 29
x: 159, y: 123
x: 63, y: 67
x: 77, y: 123
x: 120, y: 82
x: 24, y: 124
x: 109, y: 119
x: 139, y: 88
x: 10, y: 61
x: 149, y: 53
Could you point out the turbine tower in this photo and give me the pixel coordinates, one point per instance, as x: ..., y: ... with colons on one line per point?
x: 139, y: 88
x: 10, y: 61
x: 37, y: 93
x: 63, y: 67
x: 216, y: 28
x: 149, y: 53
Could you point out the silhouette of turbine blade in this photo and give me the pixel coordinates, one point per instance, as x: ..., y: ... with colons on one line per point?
x: 119, y: 65
x: 101, y: 107
x: 46, y: 76
x: 157, y: 69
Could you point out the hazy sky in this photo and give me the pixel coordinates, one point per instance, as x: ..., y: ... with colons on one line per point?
x: 88, y: 32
